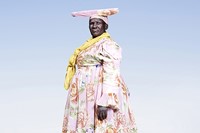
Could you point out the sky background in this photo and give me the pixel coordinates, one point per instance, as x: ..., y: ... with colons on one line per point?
x: 161, y: 61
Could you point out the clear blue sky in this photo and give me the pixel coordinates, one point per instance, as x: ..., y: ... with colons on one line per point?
x: 161, y: 61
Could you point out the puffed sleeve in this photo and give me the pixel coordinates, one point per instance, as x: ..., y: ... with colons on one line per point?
x: 111, y: 57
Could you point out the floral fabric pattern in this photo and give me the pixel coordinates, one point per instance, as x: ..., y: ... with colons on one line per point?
x: 97, y: 81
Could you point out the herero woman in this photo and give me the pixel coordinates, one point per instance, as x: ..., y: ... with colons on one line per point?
x: 98, y: 99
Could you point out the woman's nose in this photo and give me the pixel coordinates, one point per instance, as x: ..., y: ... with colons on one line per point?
x: 94, y: 25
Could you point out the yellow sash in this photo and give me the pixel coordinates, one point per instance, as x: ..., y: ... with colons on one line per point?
x: 71, y: 68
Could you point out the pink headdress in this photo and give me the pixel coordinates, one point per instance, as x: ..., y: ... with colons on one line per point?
x: 101, y: 13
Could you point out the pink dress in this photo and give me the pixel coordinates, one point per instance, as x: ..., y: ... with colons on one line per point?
x: 97, y: 81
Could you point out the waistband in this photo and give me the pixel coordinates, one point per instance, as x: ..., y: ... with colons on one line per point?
x: 88, y: 65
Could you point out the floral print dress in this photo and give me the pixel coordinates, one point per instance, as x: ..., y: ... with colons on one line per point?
x: 97, y: 81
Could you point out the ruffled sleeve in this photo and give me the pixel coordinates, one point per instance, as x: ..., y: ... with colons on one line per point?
x: 111, y: 57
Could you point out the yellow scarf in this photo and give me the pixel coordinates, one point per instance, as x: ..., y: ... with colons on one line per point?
x: 71, y: 68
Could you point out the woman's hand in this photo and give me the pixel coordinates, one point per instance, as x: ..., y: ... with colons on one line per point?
x: 102, y: 112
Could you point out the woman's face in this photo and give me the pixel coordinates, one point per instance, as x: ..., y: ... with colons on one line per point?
x: 97, y: 27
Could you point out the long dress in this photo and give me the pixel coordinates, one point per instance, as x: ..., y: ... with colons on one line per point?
x: 97, y: 81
